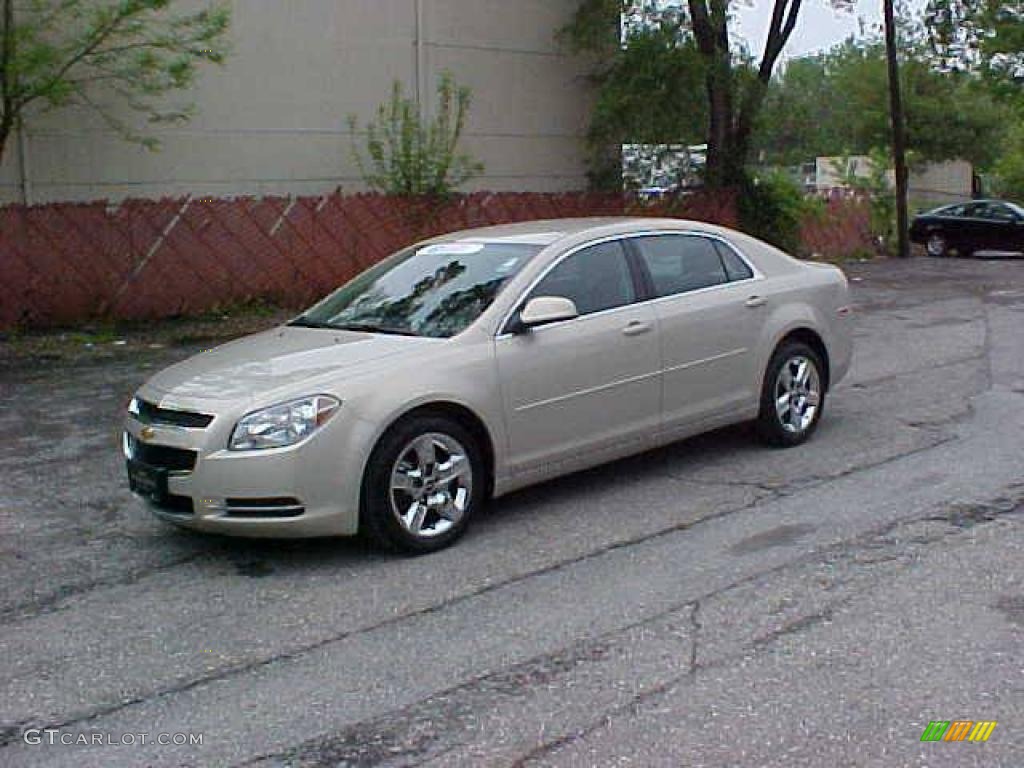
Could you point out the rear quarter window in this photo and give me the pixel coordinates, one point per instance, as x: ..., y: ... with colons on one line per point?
x: 735, y: 267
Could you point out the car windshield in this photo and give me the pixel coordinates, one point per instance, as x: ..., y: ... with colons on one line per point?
x: 436, y: 290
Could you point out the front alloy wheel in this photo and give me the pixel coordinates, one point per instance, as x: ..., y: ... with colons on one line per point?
x: 423, y: 481
x: 431, y: 485
x: 937, y: 245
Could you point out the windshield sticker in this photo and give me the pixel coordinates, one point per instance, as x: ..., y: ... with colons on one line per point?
x: 450, y: 249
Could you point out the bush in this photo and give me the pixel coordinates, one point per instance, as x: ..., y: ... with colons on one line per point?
x: 411, y: 156
x: 880, y: 192
x: 772, y: 207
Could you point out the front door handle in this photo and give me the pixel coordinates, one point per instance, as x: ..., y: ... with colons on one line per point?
x: 754, y: 302
x: 636, y: 327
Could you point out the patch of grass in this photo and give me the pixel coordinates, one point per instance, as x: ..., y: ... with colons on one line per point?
x: 107, y: 341
x: 103, y: 336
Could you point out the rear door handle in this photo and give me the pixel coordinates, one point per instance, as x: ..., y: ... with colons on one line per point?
x: 756, y: 301
x: 636, y: 327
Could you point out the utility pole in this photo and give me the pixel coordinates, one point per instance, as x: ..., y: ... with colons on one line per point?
x: 899, y: 137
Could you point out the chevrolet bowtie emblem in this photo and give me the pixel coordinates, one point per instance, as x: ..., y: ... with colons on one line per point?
x: 148, y: 433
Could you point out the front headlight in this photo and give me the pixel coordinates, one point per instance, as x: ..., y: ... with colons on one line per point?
x: 282, y: 425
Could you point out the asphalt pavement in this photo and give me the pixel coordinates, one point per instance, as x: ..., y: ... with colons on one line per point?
x: 714, y: 603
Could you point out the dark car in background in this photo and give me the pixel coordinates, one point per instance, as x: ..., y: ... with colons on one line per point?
x: 969, y: 228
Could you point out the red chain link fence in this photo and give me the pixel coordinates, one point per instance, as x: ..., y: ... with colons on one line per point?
x: 146, y: 259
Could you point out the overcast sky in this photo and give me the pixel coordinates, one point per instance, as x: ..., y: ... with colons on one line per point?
x: 818, y: 28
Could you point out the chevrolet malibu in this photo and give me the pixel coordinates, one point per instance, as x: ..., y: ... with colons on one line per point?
x: 477, y: 363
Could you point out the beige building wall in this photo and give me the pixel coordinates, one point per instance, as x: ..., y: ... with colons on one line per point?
x: 933, y: 184
x: 273, y: 120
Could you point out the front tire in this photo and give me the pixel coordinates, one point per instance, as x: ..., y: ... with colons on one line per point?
x: 792, y: 396
x: 937, y: 245
x: 422, y: 484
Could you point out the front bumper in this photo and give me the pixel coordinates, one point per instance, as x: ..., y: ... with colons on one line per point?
x: 310, y: 489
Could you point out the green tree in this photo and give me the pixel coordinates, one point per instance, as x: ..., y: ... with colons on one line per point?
x: 733, y: 84
x: 408, y: 155
x: 801, y: 117
x: 836, y: 104
x: 1009, y: 169
x: 103, y: 55
x: 983, y: 36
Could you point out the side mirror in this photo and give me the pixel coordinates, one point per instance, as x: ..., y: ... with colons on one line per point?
x: 543, y: 310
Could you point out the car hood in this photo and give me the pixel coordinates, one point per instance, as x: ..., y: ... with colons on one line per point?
x: 276, y: 362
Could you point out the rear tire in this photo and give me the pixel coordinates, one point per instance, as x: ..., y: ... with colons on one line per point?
x: 792, y: 396
x: 422, y: 484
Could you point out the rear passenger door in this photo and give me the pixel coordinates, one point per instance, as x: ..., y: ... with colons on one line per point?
x: 1001, y: 228
x: 709, y: 315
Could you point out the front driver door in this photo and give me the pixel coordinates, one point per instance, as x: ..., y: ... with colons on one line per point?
x: 577, y: 389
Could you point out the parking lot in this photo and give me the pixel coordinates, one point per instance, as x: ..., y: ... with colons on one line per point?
x: 714, y: 603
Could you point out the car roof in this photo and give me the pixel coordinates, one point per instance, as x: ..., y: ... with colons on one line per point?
x: 549, y: 231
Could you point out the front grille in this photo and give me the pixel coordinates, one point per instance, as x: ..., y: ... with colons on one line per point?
x: 163, y: 457
x: 152, y: 414
x: 279, y: 507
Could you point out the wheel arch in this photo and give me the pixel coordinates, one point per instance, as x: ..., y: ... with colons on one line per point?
x: 812, y: 339
x: 462, y: 415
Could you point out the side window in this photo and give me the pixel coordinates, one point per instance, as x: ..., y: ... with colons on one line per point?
x: 596, y: 278
x: 681, y: 263
x: 735, y: 267
x: 998, y: 212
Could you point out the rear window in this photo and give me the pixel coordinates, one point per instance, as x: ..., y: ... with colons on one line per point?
x: 681, y: 263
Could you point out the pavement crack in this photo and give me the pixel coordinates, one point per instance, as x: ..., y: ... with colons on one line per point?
x: 695, y: 628
x: 380, y: 737
x: 1006, y: 505
x: 889, y: 378
x: 797, y: 626
x: 51, y: 603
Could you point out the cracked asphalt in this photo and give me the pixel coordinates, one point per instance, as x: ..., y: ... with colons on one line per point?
x: 714, y: 603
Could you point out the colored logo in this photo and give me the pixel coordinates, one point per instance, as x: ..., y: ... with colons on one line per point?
x: 958, y: 730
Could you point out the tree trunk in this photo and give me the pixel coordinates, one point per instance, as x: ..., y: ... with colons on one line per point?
x: 719, y: 129
x: 730, y: 130
x: 7, y: 75
x: 725, y: 157
x: 899, y: 150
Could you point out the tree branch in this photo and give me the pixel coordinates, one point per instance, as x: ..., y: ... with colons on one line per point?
x: 101, y: 35
x: 784, y: 17
x: 703, y: 32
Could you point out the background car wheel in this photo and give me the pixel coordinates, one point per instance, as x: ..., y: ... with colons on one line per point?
x: 422, y: 484
x: 792, y: 397
x: 937, y: 245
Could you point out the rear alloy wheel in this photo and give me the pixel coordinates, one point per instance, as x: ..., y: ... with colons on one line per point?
x: 423, y: 482
x: 793, y: 396
x: 937, y: 245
